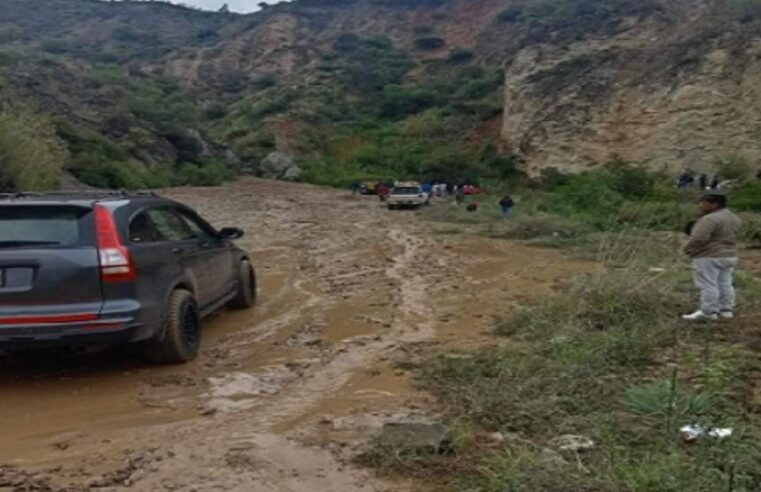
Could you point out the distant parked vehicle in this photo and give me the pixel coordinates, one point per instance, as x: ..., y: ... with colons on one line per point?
x: 114, y: 268
x: 368, y: 188
x: 407, y: 195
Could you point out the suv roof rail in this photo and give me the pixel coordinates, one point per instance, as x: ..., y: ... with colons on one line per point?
x: 94, y: 194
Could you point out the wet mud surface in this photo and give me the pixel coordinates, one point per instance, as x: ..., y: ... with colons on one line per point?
x: 285, y: 394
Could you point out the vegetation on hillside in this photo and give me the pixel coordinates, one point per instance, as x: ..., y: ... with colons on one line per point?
x: 378, y: 107
x: 368, y: 104
x: 31, y: 154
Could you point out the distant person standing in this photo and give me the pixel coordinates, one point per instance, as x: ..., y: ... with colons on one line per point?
x: 703, y: 182
x: 506, y: 204
x: 715, y: 183
x: 459, y: 194
x: 355, y: 187
x: 383, y: 191
x: 713, y: 250
x: 683, y: 181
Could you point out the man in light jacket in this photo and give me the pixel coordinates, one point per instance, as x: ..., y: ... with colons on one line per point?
x: 713, y: 250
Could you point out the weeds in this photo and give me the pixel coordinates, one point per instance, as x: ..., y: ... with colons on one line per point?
x: 609, y: 360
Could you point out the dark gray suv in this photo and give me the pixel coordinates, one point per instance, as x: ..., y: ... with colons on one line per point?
x: 110, y: 268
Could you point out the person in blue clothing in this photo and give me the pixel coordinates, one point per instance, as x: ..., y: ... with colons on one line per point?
x: 506, y: 204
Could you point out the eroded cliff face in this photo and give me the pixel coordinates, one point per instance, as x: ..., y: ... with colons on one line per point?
x: 676, y: 90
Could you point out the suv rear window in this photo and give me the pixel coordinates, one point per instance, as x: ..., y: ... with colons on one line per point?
x: 406, y: 191
x: 44, y: 226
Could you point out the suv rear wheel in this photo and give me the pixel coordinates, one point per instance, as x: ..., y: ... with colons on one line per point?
x: 245, y: 297
x: 180, y: 339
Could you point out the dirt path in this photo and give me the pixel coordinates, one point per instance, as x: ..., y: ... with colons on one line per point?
x: 285, y: 394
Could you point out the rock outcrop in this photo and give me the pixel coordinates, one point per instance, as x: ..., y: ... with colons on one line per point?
x: 671, y: 93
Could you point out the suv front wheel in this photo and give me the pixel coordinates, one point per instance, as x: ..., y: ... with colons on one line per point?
x: 180, y: 339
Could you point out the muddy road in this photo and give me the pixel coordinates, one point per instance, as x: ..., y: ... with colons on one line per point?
x: 285, y: 394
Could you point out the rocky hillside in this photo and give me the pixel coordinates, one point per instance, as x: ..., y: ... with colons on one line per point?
x: 147, y: 93
x: 680, y: 88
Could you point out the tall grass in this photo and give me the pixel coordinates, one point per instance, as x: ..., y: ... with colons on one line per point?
x: 31, y: 154
x: 610, y: 360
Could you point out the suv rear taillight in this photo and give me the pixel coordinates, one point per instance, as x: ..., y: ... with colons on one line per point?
x: 115, y: 261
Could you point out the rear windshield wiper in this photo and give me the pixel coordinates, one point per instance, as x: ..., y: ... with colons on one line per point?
x: 16, y: 244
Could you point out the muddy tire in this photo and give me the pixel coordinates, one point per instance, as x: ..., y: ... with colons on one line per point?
x: 180, y: 339
x: 245, y: 296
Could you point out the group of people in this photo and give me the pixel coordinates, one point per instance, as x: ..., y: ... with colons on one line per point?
x: 712, y: 246
x: 687, y: 180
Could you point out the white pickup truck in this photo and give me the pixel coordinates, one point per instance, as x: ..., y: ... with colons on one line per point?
x: 407, y: 195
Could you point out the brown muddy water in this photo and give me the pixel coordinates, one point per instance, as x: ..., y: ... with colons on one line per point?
x: 284, y: 394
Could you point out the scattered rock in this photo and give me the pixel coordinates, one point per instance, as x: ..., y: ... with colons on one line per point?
x: 416, y: 434
x: 571, y: 442
x: 276, y: 165
x: 206, y: 410
x: 458, y: 356
x: 293, y: 174
x: 552, y: 458
x: 495, y: 437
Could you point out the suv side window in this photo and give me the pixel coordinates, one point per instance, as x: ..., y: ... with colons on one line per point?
x: 201, y: 231
x: 170, y: 225
x: 142, y: 230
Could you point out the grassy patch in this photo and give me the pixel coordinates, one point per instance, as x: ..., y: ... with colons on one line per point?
x: 611, y: 361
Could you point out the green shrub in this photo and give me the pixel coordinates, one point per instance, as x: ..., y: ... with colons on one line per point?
x: 747, y: 197
x: 460, y: 55
x: 750, y: 232
x: 511, y: 14
x: 550, y: 178
x: 597, y: 196
x: 204, y: 174
x: 745, y: 9
x: 657, y: 215
x: 429, y: 43
x: 665, y: 398
x: 734, y: 167
x: 546, y: 227
x: 31, y: 153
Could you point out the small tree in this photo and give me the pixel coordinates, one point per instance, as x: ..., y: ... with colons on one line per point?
x: 31, y: 153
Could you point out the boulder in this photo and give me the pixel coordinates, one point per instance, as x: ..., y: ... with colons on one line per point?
x: 570, y: 442
x: 552, y: 459
x: 276, y: 164
x: 416, y: 434
x: 293, y: 174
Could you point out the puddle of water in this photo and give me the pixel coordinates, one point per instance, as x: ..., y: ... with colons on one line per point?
x: 377, y: 388
x: 346, y: 320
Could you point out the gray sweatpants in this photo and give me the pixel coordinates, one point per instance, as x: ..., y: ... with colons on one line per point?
x: 715, y: 279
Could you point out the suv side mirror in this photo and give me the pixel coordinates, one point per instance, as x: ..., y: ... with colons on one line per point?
x: 231, y: 233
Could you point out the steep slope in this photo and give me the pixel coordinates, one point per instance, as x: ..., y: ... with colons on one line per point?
x: 680, y: 90
x: 147, y: 93
x: 81, y: 61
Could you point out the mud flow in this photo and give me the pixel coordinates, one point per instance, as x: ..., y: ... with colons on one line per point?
x: 284, y: 394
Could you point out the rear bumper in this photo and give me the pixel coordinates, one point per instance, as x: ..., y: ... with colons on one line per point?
x: 99, y: 332
x: 405, y: 203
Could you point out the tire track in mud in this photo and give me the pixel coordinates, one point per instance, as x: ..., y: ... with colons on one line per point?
x: 347, y: 289
x: 412, y: 322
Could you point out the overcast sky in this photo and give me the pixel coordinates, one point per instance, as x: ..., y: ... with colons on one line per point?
x: 235, y: 5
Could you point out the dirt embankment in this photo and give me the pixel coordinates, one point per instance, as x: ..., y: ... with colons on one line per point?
x: 284, y: 394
